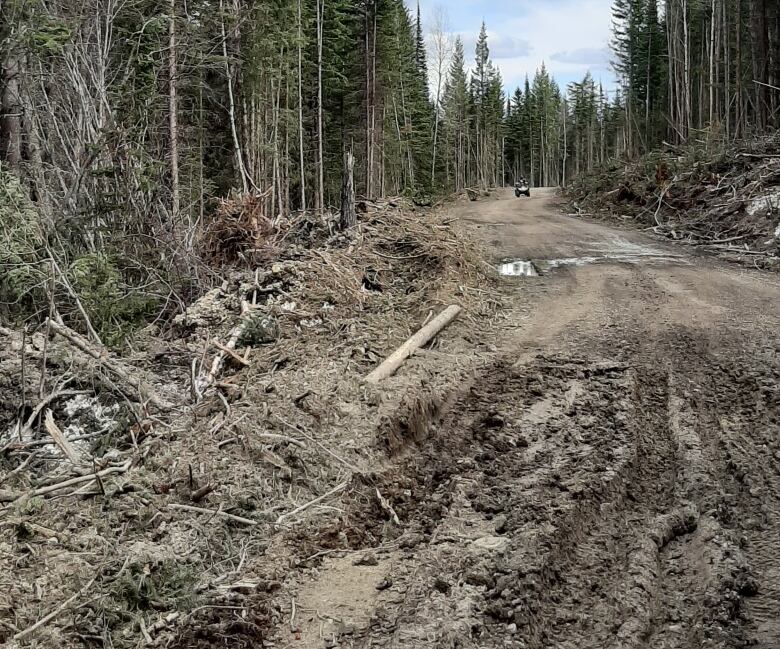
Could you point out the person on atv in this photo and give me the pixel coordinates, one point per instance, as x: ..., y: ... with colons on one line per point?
x: 521, y: 187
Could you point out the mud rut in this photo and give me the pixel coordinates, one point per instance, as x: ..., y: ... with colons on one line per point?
x: 610, y: 478
x: 565, y: 501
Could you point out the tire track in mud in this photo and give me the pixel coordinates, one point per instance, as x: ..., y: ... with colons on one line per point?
x: 571, y: 503
x: 740, y: 421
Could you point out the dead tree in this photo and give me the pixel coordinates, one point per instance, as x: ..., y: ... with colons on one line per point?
x: 348, y: 214
x: 173, y: 124
x: 10, y: 112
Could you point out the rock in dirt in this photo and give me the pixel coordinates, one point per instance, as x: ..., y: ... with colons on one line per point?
x: 384, y: 584
x: 492, y: 543
x: 367, y: 559
x: 410, y: 541
x: 499, y: 524
x: 494, y: 420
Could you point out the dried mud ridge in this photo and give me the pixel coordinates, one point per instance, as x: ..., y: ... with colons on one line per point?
x: 565, y: 502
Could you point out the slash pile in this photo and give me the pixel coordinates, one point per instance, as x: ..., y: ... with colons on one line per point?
x: 727, y: 201
x: 137, y: 489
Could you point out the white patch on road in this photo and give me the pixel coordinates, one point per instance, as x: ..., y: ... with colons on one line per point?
x: 518, y: 268
x: 616, y: 250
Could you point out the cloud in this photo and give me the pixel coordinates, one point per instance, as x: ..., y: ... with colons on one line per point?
x: 569, y: 36
x: 502, y: 46
x: 595, y: 57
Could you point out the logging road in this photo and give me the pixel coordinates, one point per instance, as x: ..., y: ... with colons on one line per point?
x: 611, y: 480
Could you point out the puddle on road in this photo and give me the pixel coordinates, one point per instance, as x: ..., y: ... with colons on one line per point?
x: 518, y: 268
x: 617, y: 250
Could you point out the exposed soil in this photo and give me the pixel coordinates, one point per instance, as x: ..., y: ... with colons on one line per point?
x: 597, y: 467
x: 609, y: 477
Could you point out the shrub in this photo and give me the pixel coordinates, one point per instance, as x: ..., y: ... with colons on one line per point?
x: 22, y: 270
x: 113, y: 308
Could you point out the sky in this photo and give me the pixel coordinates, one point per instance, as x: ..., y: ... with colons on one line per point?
x: 570, y: 36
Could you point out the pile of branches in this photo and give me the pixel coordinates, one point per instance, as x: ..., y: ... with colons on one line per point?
x: 727, y: 200
x: 396, y: 265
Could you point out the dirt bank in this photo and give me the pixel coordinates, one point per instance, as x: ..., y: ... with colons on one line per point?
x: 721, y: 198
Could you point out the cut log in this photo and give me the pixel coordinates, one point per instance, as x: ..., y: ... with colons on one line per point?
x: 126, y: 375
x: 423, y: 336
x: 472, y: 193
x: 59, y: 437
x: 206, y: 381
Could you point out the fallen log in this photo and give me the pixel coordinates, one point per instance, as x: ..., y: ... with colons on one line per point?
x: 226, y: 350
x: 58, y: 436
x: 125, y: 374
x: 423, y: 336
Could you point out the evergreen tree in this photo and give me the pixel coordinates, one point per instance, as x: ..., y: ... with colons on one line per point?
x: 456, y: 115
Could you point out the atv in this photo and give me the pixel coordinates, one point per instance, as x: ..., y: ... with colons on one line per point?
x: 522, y: 188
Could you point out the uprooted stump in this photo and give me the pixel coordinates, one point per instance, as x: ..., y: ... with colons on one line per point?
x: 237, y: 228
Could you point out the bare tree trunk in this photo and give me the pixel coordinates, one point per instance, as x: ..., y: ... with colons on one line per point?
x: 371, y: 155
x: 348, y: 213
x: 712, y: 64
x: 761, y: 63
x: 442, y: 49
x: 369, y: 136
x: 565, y: 144
x: 382, y: 162
x: 740, y: 117
x: 726, y: 69
x: 300, y: 107
x: 11, y: 109
x: 647, y: 89
x: 321, y: 158
x: 35, y: 159
x: 232, y: 105
x: 173, y: 125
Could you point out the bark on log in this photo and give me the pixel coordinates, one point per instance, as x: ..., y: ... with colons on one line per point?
x: 397, y: 358
x: 127, y: 375
x: 204, y: 382
x: 348, y: 213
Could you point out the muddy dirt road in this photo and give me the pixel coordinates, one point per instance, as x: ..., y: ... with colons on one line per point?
x: 609, y: 478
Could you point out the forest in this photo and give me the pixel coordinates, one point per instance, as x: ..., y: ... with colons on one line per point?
x: 127, y: 128
x: 688, y: 71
